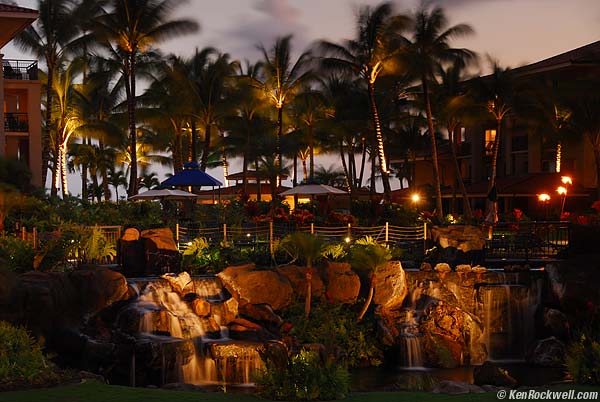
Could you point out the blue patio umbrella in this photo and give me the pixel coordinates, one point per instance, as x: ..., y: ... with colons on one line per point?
x: 191, y: 175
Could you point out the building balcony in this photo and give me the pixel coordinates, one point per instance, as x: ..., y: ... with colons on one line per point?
x: 16, y: 122
x: 20, y: 69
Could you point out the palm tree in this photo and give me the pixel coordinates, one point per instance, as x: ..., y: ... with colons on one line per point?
x: 149, y: 180
x: 368, y: 254
x: 496, y: 94
x: 308, y: 247
x: 57, y: 31
x: 134, y: 26
x: 372, y: 53
x: 452, y: 108
x: 428, y: 49
x: 117, y: 178
x: 585, y: 119
x: 282, y: 80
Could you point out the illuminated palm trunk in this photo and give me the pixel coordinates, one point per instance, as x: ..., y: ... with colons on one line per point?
x: 434, y: 156
x: 385, y: 177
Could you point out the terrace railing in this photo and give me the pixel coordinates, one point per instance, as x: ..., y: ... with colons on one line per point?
x: 16, y: 122
x: 526, y: 241
x: 20, y: 69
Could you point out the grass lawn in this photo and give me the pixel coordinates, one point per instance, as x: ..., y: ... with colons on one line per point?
x: 96, y: 392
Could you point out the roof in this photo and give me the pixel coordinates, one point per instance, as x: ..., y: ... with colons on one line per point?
x: 250, y: 175
x: 252, y: 188
x: 9, y: 8
x: 588, y: 54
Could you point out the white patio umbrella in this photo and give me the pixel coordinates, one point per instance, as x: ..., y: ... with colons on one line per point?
x: 313, y: 189
x: 164, y: 194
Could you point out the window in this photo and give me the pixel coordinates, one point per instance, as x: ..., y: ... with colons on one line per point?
x: 490, y: 137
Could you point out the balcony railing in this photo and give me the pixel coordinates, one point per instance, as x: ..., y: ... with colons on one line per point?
x: 20, y: 69
x: 16, y: 122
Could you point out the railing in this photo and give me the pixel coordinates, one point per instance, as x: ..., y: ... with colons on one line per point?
x: 411, y: 239
x: 527, y: 240
x: 16, y: 122
x: 20, y: 69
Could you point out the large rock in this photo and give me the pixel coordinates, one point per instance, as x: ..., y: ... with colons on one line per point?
x: 390, y: 288
x: 242, y: 329
x: 341, y: 283
x: 262, y: 313
x: 549, y: 352
x: 160, y: 239
x: 225, y: 312
x: 452, y: 337
x: 181, y: 283
x: 48, y: 300
x: 463, y: 238
x: 556, y: 322
x: 161, y: 251
x: 131, y: 253
x: 490, y: 374
x: 297, y: 278
x: 257, y: 286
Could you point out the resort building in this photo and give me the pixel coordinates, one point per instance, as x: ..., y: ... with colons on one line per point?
x: 528, y: 163
x: 20, y: 96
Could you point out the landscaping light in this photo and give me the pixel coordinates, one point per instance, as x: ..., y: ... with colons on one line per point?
x: 248, y: 235
x: 415, y: 198
x: 347, y: 240
x: 566, y: 180
x: 561, y: 190
x: 543, y: 197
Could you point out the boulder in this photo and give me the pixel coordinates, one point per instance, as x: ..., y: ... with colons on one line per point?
x: 463, y: 268
x: 442, y: 268
x: 342, y: 284
x: 297, y: 278
x: 131, y: 234
x: 478, y: 269
x: 160, y: 239
x: 556, y: 322
x: 425, y: 267
x: 201, y: 307
x: 131, y: 253
x: 490, y: 374
x: 463, y: 238
x: 390, y: 288
x: 257, y: 287
x: 261, y: 313
x: 549, y: 352
x: 242, y: 329
x: 181, y: 283
x: 225, y: 312
x: 452, y: 337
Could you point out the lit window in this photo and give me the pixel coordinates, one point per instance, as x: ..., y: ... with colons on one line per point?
x: 490, y: 137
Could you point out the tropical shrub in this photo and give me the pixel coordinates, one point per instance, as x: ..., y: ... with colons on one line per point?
x: 335, y: 252
x: 305, y: 376
x: 583, y: 354
x: 18, y: 255
x: 334, y: 325
x: 21, y: 359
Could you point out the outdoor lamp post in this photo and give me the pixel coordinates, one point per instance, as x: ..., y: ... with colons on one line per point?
x: 566, y: 180
x: 544, y: 199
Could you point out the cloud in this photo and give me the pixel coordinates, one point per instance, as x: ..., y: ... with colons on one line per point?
x: 270, y: 19
x: 460, y: 3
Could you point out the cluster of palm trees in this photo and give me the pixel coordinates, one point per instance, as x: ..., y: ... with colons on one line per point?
x: 386, y: 93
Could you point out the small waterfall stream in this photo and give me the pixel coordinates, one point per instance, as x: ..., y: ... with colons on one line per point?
x: 193, y: 349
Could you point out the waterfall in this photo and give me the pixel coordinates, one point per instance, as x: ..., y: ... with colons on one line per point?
x: 509, y: 317
x: 412, y: 355
x: 190, y: 348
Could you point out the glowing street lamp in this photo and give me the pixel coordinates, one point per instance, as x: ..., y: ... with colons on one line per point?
x: 566, y: 180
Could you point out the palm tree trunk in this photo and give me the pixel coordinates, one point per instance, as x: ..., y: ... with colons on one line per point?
x: 279, y: 156
x: 369, y: 299
x: 193, y: 145
x: 295, y: 180
x: 434, y: 156
x: 385, y: 177
x: 63, y: 169
x: 495, y: 155
x: 258, y: 188
x: 311, y: 144
x: 304, y: 171
x: 178, y: 151
x: 345, y: 167
x: 461, y: 184
x: 362, y: 162
x: 597, y: 158
x: 55, y: 172
x: 206, y: 150
x: 46, y: 134
x: 84, y: 176
x: 131, y: 104
x: 308, y: 300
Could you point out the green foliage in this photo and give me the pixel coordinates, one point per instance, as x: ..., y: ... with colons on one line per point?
x: 334, y: 325
x: 196, y: 254
x: 306, y: 376
x: 303, y: 246
x: 21, y: 358
x: 17, y: 254
x: 92, y: 246
x: 369, y: 255
x: 583, y: 360
x: 15, y: 173
x: 335, y: 252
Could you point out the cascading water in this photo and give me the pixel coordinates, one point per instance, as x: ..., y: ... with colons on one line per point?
x: 508, y: 312
x: 412, y: 354
x: 199, y: 347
